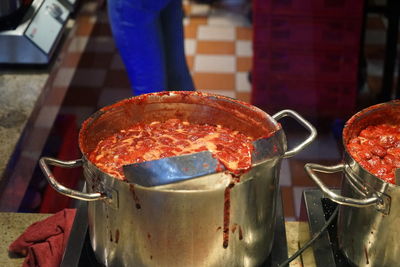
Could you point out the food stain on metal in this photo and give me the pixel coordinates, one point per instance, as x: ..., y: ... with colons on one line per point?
x: 240, y: 233
x: 116, y: 236
x: 135, y: 197
x: 239, y: 228
x: 227, y: 207
x: 366, y: 255
x: 234, y: 228
x: 235, y: 178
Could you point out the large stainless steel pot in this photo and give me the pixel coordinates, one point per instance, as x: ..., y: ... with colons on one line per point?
x: 207, y: 221
x: 369, y: 215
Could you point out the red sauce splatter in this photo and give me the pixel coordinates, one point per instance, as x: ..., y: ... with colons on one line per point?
x: 377, y: 149
x: 135, y: 197
x: 366, y: 255
x: 239, y: 228
x: 151, y: 141
x: 148, y: 236
x: 116, y: 236
x: 227, y: 207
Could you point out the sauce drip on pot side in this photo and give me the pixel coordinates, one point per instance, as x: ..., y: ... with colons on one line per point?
x: 377, y: 149
x: 146, y: 142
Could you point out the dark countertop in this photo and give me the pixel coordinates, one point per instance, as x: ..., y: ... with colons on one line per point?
x: 30, y: 100
x: 18, y: 95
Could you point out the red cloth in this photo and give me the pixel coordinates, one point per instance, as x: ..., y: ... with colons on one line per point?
x: 43, y: 243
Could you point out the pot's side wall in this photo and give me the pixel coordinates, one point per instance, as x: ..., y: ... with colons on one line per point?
x: 369, y: 237
x: 185, y: 228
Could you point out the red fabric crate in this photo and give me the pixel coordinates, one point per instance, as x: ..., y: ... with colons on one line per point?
x: 306, y: 32
x: 306, y: 65
x: 312, y: 98
x: 323, y: 8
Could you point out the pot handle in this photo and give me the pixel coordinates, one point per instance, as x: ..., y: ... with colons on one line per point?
x: 45, y: 161
x: 303, y: 122
x: 353, y: 202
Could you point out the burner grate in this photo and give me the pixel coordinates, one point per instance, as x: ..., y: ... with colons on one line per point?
x: 326, y: 247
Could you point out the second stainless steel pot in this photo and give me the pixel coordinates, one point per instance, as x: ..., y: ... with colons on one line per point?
x: 208, y: 221
x: 369, y: 215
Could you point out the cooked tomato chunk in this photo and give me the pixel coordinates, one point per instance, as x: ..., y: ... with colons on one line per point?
x: 376, y: 149
x: 146, y: 142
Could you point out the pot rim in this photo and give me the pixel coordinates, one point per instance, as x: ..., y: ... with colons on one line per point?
x: 276, y: 127
x: 347, y: 134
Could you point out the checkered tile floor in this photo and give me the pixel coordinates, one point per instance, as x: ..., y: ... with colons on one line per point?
x: 218, y: 47
x: 219, y: 53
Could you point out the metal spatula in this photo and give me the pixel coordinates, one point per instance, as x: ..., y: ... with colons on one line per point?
x: 173, y: 169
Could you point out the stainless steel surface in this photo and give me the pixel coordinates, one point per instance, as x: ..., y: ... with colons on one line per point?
x: 34, y: 40
x: 326, y: 250
x: 7, y: 7
x: 397, y: 176
x: 302, y: 121
x: 45, y: 161
x: 360, y: 202
x: 79, y: 254
x: 212, y: 222
x: 172, y: 169
x: 374, y: 229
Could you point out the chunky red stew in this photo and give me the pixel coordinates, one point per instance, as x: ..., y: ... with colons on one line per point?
x: 146, y: 142
x: 377, y: 149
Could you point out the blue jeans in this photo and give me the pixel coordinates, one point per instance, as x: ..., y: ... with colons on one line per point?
x: 149, y: 37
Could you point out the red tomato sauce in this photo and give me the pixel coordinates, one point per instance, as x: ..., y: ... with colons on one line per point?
x: 377, y: 149
x: 146, y: 142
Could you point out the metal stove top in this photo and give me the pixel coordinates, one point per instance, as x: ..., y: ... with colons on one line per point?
x: 80, y: 253
x: 326, y: 248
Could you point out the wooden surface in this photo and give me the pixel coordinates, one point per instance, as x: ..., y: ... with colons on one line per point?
x: 14, y: 224
x: 297, y: 234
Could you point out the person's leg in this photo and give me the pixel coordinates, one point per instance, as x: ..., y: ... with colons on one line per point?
x: 178, y: 75
x: 137, y: 34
